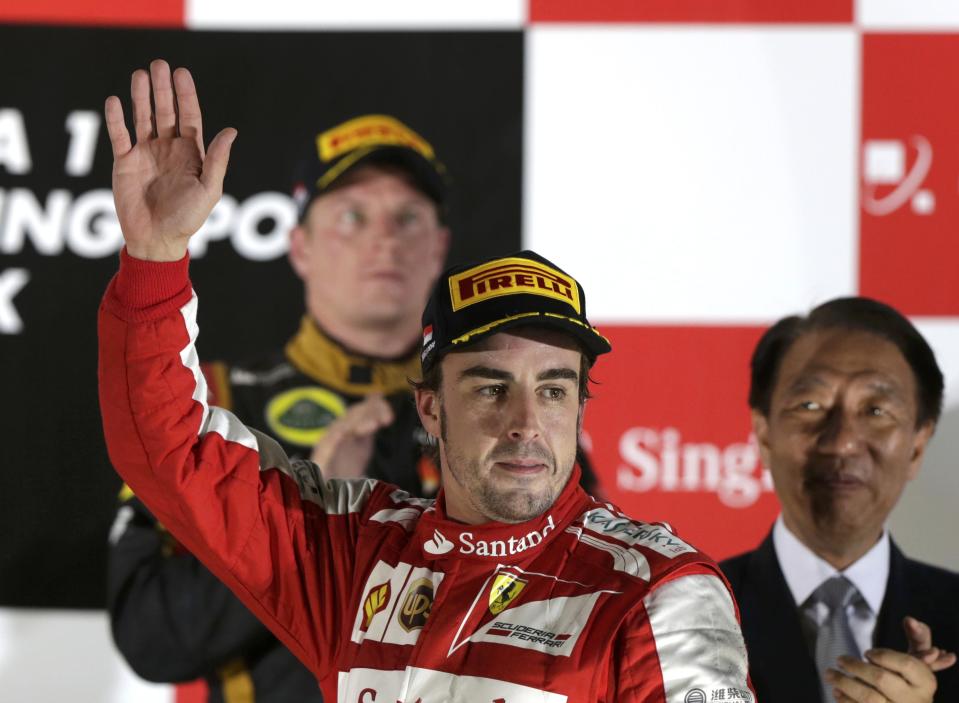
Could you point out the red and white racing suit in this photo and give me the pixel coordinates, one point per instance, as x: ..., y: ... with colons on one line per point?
x: 381, y: 595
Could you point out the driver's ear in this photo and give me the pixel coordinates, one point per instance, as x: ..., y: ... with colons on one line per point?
x: 428, y: 407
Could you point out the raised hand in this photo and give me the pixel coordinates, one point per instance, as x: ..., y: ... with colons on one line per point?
x: 166, y: 184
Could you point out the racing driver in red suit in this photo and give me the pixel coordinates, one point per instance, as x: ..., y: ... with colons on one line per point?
x: 513, y: 585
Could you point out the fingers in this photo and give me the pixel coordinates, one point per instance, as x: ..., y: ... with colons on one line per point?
x: 116, y: 128
x: 942, y: 659
x: 917, y: 633
x: 849, y: 688
x: 163, y: 99
x: 919, y: 636
x: 140, y: 97
x: 910, y: 669
x: 365, y: 417
x: 347, y: 446
x: 217, y: 158
x: 887, y: 676
x: 371, y: 414
x: 188, y: 107
x: 358, y: 424
x: 927, y: 655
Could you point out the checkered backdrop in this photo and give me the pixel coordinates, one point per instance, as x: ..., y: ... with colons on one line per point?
x: 703, y: 167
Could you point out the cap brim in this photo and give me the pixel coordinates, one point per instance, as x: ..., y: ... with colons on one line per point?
x: 593, y: 342
x: 427, y: 174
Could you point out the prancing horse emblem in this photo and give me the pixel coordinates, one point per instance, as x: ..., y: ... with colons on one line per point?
x: 506, y: 588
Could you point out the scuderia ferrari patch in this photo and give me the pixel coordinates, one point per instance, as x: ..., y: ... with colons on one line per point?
x: 510, y: 276
x: 549, y: 618
x: 300, y: 416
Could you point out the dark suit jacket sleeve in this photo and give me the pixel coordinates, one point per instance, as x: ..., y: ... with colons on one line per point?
x: 780, y: 665
x: 930, y: 594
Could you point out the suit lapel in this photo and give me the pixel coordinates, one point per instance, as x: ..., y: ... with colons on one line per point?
x: 780, y: 663
x: 895, y: 605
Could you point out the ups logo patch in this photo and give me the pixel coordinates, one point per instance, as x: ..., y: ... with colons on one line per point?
x: 417, y: 604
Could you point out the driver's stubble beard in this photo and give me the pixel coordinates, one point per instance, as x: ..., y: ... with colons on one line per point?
x: 484, y: 497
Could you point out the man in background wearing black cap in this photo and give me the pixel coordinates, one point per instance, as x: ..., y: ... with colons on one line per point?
x: 369, y: 245
x: 513, y: 585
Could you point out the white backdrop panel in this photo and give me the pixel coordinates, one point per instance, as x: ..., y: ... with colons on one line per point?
x: 693, y: 173
x: 908, y: 14
x: 355, y: 15
x: 924, y: 521
x: 55, y: 656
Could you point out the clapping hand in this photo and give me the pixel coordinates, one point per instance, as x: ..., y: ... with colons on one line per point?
x: 888, y: 676
x: 347, y: 446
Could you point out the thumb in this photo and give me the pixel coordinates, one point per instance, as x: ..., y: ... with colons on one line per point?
x: 217, y: 158
x: 918, y: 634
x: 384, y: 411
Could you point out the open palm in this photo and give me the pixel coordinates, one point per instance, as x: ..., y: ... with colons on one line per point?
x: 166, y: 185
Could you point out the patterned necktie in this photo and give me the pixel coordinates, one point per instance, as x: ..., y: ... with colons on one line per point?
x: 834, y: 636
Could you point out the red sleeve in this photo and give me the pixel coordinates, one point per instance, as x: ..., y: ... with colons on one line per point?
x: 272, y: 530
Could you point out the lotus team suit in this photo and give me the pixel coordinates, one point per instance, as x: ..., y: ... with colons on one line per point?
x: 381, y: 595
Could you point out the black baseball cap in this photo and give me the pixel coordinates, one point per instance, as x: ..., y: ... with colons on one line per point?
x: 364, y: 140
x: 473, y: 301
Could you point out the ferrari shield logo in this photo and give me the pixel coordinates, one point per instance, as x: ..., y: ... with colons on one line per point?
x: 506, y: 588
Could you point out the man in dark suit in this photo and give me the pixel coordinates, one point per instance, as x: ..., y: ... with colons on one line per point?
x: 844, y: 402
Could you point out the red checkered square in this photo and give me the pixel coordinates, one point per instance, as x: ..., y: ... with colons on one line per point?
x: 691, y: 11
x: 116, y: 13
x: 670, y: 433
x: 909, y: 229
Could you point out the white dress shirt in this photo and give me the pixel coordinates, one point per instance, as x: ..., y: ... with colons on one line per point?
x: 805, y: 571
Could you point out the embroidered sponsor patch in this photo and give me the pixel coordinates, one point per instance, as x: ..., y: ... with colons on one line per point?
x: 438, y: 545
x: 530, y: 610
x: 550, y: 626
x: 369, y: 131
x: 300, y: 416
x: 506, y: 588
x: 651, y: 536
x: 511, y: 276
x: 736, y: 695
x: 375, y: 602
x: 416, y: 605
x: 402, y: 601
x: 431, y: 686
